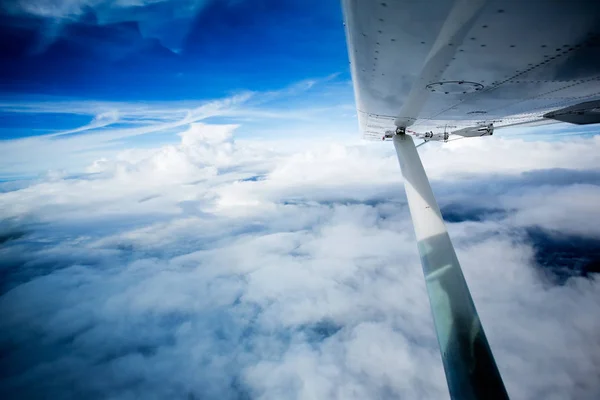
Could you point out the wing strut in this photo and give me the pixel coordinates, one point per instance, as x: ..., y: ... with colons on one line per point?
x: 471, y: 371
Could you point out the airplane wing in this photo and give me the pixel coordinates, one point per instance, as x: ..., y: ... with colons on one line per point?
x: 445, y: 65
x: 432, y: 69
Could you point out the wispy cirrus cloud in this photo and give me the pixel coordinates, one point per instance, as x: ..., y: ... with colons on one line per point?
x: 22, y: 156
x: 115, y: 126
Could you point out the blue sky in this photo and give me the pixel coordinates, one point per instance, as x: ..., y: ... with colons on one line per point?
x: 90, y: 67
x: 168, y: 50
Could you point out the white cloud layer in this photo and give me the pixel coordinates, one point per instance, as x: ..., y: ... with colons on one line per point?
x: 232, y: 270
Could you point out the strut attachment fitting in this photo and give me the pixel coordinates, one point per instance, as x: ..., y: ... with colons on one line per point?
x: 390, y: 134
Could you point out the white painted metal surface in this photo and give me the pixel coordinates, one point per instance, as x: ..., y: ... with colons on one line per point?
x: 424, y: 210
x: 530, y: 57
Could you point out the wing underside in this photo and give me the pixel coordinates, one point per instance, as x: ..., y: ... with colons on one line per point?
x: 446, y: 65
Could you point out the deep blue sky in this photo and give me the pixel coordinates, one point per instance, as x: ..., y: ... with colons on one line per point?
x: 135, y: 73
x: 170, y: 50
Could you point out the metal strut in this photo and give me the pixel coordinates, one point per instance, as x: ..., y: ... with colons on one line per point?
x: 469, y: 364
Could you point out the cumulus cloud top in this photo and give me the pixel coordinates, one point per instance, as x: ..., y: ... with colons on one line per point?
x: 228, y: 269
